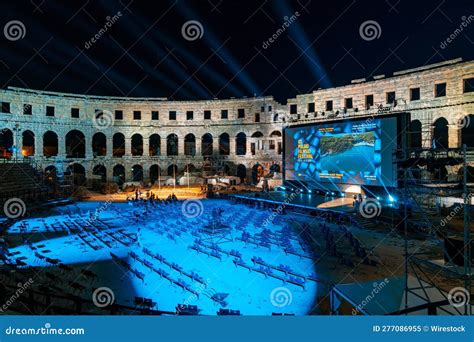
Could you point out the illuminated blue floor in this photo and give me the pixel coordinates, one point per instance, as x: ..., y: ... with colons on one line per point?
x: 167, y: 231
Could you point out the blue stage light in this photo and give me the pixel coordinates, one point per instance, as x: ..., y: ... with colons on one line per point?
x: 391, y: 198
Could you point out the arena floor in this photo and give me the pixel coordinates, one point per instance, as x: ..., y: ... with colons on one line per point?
x: 161, y: 253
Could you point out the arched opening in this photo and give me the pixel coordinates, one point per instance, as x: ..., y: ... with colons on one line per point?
x: 6, y: 143
x: 137, y: 173
x: 100, y: 170
x: 50, y: 173
x: 118, y: 145
x: 190, y: 145
x: 172, y: 170
x: 275, y: 134
x: 241, y: 144
x: 206, y: 144
x: 77, y: 172
x: 241, y: 172
x: 190, y: 168
x: 28, y: 144
x: 257, y: 173
x: 225, y: 169
x: 50, y: 144
x: 172, y: 145
x: 467, y: 130
x: 155, y: 145
x: 137, y: 145
x: 256, y: 144
x: 414, y: 136
x: 155, y: 171
x: 440, y: 133
x: 75, y: 144
x: 99, y: 144
x: 224, y: 144
x: 469, y: 174
x: 119, y: 174
x: 275, y: 117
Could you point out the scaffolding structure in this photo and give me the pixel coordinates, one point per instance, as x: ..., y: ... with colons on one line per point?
x: 432, y: 200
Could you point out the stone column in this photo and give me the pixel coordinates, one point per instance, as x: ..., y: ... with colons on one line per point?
x: 61, y: 146
x: 38, y: 145
x: 128, y: 146
x: 232, y: 146
x: 248, y: 151
x: 88, y: 143
x: 198, y: 147
x: 454, y: 136
x: 146, y: 147
x: 163, y: 147
x: 180, y: 146
x: 109, y: 148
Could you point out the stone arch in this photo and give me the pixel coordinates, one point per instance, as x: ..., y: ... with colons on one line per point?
x: 77, y: 172
x: 241, y: 144
x: 414, y: 135
x: 440, y: 133
x: 206, y: 144
x: 99, y: 144
x: 6, y: 143
x: 28, y: 143
x: 172, y: 145
x: 100, y: 170
x: 75, y: 144
x: 118, y: 174
x: 190, y: 145
x: 241, y: 172
x: 172, y: 170
x: 155, y: 145
x: 50, y: 144
x: 155, y: 171
x: 224, y: 144
x: 137, y: 173
x: 118, y: 145
x: 275, y: 134
x: 190, y: 168
x: 137, y: 145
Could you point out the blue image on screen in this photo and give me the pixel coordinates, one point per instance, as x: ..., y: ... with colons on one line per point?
x: 344, y: 152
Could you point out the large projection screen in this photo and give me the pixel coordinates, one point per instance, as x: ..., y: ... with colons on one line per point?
x: 345, y: 152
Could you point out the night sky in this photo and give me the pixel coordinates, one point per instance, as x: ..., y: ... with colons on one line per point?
x: 144, y: 53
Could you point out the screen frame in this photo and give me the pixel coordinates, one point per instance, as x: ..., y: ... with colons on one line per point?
x: 403, y: 122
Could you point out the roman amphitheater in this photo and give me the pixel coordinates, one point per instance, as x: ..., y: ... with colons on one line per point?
x: 141, y: 139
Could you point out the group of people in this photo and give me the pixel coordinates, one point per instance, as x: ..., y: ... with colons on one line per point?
x: 357, y: 201
x: 151, y: 198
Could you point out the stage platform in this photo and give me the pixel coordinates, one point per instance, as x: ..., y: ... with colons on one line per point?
x: 300, y: 201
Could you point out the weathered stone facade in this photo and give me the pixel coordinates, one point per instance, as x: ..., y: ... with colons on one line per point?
x: 438, y: 97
